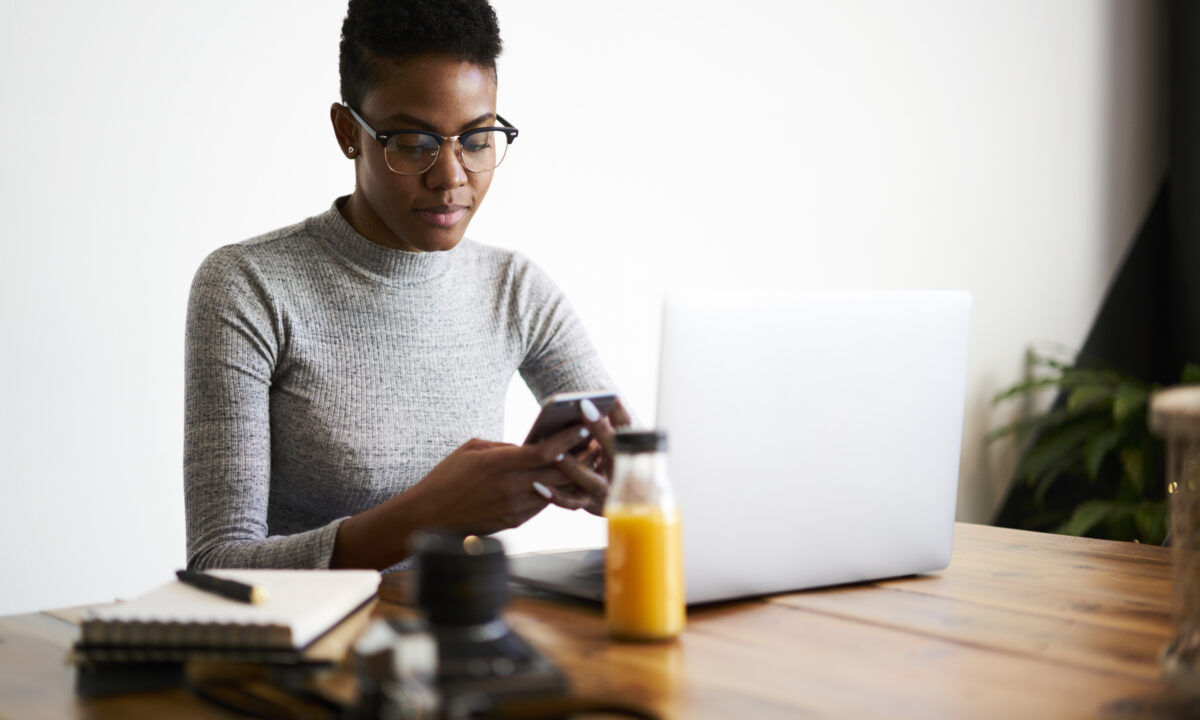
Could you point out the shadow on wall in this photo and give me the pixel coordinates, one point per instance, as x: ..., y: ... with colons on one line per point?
x: 1090, y: 467
x: 1132, y: 153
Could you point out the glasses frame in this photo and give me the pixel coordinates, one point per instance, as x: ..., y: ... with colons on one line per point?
x: 510, y: 133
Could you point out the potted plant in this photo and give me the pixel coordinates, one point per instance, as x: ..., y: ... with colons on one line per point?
x: 1088, y: 464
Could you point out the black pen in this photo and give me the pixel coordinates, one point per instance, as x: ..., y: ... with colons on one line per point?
x: 231, y: 589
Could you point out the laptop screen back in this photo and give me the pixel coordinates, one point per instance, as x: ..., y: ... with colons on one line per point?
x: 814, y: 436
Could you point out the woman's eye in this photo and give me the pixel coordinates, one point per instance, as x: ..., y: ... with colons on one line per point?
x: 411, y: 146
x: 409, y: 143
x: 478, y: 142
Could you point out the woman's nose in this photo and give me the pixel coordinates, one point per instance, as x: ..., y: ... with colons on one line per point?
x: 447, y: 170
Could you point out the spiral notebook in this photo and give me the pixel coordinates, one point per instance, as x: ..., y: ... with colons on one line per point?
x: 179, y: 622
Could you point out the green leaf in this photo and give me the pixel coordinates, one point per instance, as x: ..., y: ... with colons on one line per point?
x: 1020, y: 428
x: 1059, y: 444
x: 1130, y: 398
x: 1048, y: 477
x: 1024, y: 387
x: 1012, y: 428
x: 1151, y: 521
x: 1097, y: 447
x: 1087, y: 397
x: 1133, y: 463
x: 1033, y: 425
x: 1191, y: 373
x: 1086, y: 516
x: 1077, y: 377
x: 1044, y: 360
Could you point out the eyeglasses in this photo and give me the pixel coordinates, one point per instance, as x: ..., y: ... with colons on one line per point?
x: 412, y: 152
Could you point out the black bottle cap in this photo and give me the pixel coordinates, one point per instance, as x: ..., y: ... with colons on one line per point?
x: 640, y: 441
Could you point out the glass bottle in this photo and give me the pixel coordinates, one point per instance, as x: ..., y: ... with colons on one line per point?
x: 1175, y: 415
x: 643, y: 573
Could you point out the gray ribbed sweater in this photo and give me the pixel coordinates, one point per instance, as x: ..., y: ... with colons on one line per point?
x: 326, y: 373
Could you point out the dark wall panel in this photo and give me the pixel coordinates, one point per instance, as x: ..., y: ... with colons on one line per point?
x: 1184, y: 271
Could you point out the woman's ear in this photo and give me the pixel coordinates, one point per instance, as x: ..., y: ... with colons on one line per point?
x: 345, y: 129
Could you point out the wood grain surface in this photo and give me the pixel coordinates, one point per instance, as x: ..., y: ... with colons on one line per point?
x: 1021, y: 625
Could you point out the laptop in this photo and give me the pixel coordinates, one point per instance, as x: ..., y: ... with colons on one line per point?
x: 813, y: 440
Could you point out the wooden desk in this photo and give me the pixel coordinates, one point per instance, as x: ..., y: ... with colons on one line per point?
x: 1022, y: 625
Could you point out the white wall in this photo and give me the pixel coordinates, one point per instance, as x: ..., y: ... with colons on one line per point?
x: 1008, y: 148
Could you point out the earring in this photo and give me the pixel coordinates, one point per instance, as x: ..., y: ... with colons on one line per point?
x: 350, y: 150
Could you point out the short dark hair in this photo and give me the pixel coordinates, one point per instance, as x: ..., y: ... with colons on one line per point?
x: 379, y: 32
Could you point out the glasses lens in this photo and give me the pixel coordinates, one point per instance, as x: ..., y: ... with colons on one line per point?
x: 410, y: 153
x: 483, y: 149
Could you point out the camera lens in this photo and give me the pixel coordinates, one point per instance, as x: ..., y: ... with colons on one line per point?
x: 460, y: 580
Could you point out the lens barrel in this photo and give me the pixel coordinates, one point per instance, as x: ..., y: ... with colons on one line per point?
x: 460, y: 580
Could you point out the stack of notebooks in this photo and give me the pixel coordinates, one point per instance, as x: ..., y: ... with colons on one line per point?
x: 178, y: 622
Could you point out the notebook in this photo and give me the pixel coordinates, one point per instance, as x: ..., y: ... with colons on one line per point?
x: 180, y: 622
x: 814, y: 440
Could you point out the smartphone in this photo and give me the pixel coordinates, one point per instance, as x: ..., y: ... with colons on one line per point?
x: 561, y: 411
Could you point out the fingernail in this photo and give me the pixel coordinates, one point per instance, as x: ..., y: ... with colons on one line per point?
x: 542, y: 490
x: 583, y: 432
x: 589, y: 410
x: 559, y: 458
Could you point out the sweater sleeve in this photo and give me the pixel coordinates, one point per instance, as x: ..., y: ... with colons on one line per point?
x: 233, y: 339
x: 559, y: 356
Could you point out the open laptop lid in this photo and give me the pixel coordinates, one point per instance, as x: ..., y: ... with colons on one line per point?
x: 814, y: 436
x: 814, y: 439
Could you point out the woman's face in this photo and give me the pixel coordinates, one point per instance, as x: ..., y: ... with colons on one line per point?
x: 426, y: 212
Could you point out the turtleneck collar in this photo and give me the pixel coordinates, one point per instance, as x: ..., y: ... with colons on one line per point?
x: 388, y: 265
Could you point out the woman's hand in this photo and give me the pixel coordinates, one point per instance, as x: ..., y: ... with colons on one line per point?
x: 486, y: 486
x: 590, y: 472
x: 481, y: 487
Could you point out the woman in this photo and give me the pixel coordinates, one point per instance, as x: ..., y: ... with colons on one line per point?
x: 341, y: 371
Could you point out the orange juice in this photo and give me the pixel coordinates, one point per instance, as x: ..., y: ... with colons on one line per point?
x: 643, y: 579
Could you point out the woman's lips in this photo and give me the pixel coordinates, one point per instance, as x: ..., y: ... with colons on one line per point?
x: 443, y: 216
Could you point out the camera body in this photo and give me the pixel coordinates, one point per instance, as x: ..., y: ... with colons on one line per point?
x: 480, y: 664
